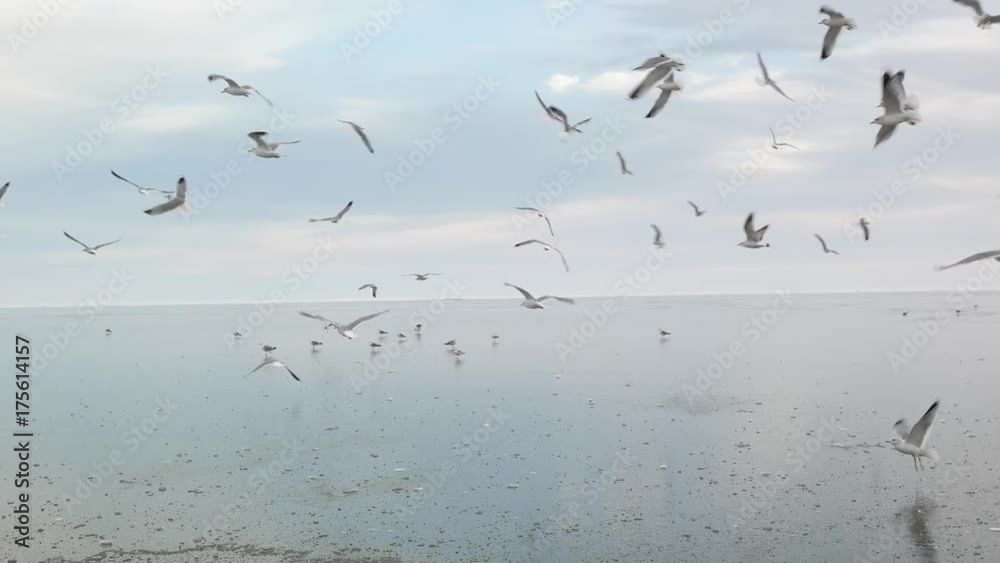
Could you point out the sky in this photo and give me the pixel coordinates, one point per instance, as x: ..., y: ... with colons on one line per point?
x: 447, y: 98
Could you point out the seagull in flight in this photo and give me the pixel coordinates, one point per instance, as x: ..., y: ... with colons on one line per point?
x: 265, y: 149
x: 178, y: 199
x: 826, y: 249
x: 697, y: 212
x: 911, y: 442
x: 656, y: 74
x: 835, y: 20
x: 345, y: 330
x: 3, y: 192
x: 667, y: 87
x: 898, y: 108
x: 657, y: 237
x: 864, y: 227
x: 276, y: 364
x: 142, y: 190
x: 994, y: 254
x: 361, y: 133
x: 621, y: 164
x: 531, y: 303
x: 423, y: 277
x: 539, y: 213
x: 661, y: 59
x: 754, y: 236
x: 559, y: 115
x: 91, y: 250
x: 985, y: 20
x: 371, y: 286
x: 767, y: 80
x: 234, y: 89
x: 336, y: 218
x: 776, y: 145
x: 547, y: 247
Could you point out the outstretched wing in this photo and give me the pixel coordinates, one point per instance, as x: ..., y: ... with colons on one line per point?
x: 902, y: 428
x: 70, y: 237
x: 127, y: 181
x: 178, y: 200
x: 695, y: 207
x: 974, y: 258
x: 360, y: 320
x: 562, y: 299
x: 229, y: 81
x: 344, y: 210
x: 763, y: 69
x: 523, y: 291
x: 918, y: 436
x: 657, y: 235
x: 258, y: 137
x: 821, y: 242
x: 290, y: 372
x: 974, y: 4
x: 830, y: 12
x: 548, y: 111
x: 651, y: 78
x: 748, y: 229
x: 660, y: 102
x: 262, y: 96
x: 829, y: 40
x: 3, y: 190
x: 315, y: 317
x: 106, y: 244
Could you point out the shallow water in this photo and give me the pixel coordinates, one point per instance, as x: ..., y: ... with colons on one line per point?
x: 573, y: 438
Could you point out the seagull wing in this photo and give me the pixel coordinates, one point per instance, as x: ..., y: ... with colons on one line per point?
x: 262, y: 96
x: 262, y: 365
x: 523, y: 291
x: 974, y: 4
x: 559, y: 115
x: 528, y: 209
x: 748, y: 228
x: 360, y: 320
x: 3, y: 190
x: 258, y: 137
x: 315, y: 317
x: 661, y: 101
x: 780, y: 91
x: 829, y: 40
x: 106, y: 244
x: 884, y: 132
x: 864, y: 228
x: 229, y: 81
x: 657, y: 235
x: 763, y: 68
x: 531, y: 241
x: 562, y: 299
x: 344, y: 211
x: 830, y: 12
x: 652, y: 62
x: 548, y: 111
x: 651, y: 78
x: 822, y: 243
x: 116, y: 175
x: 918, y: 436
x: 974, y: 258
x: 289, y: 370
x: 695, y: 207
x: 180, y: 196
x: 621, y: 162
x: 563, y: 257
x: 549, y: 223
x: 902, y: 428
x: 361, y: 133
x: 893, y: 93
x: 578, y: 123
x: 70, y: 237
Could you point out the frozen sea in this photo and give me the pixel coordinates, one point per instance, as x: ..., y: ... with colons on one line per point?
x: 756, y: 432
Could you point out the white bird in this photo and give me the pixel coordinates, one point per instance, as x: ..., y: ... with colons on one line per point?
x: 985, y: 20
x: 559, y: 115
x: 776, y: 145
x: 898, y: 108
x: 3, y: 192
x: 754, y: 236
x: 697, y: 212
x: 539, y: 213
x: 361, y: 133
x: 835, y: 20
x: 655, y: 75
x: 234, y: 89
x: 265, y: 149
x: 336, y: 218
x: 531, y: 303
x: 547, y: 247
x: 657, y: 237
x: 178, y: 199
x: 142, y: 190
x: 345, y: 330
x: 423, y: 277
x: 767, y: 81
x: 667, y: 87
x: 864, y: 227
x: 273, y: 363
x: 92, y: 250
x: 621, y: 164
x: 911, y: 442
x: 371, y: 286
x: 661, y: 59
x: 994, y: 254
x: 826, y: 249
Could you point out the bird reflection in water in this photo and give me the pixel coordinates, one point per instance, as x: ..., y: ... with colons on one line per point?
x: 917, y: 518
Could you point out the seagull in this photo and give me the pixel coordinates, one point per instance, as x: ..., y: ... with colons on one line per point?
x: 418, y: 328
x: 423, y: 277
x: 361, y: 133
x: 374, y: 345
x: 457, y: 353
x: 267, y: 348
x: 984, y: 19
x: 531, y: 303
x: 373, y: 287
x: 994, y: 254
x: 336, y: 218
x: 622, y: 165
x: 382, y: 333
x: 559, y: 115
x: 826, y: 250
x: 658, y: 60
x: 107, y: 332
x: 898, y: 108
x: 274, y: 363
x: 777, y: 146
x: 767, y: 81
x: 547, y: 247
x: 345, y: 330
x: 265, y: 149
x: 663, y: 333
x: 667, y: 87
x: 911, y: 442
x: 91, y: 250
x: 178, y: 199
x: 864, y: 227
x: 450, y: 343
x: 697, y: 212
x: 237, y: 335
x: 495, y: 338
x: 142, y: 190
x: 657, y: 73
x: 835, y: 20
x: 234, y: 89
x: 657, y: 237
x: 754, y: 236
x: 3, y: 192
x: 401, y: 337
x: 314, y: 344
x: 539, y: 214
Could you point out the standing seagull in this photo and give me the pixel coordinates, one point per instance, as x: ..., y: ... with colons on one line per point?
x: 345, y: 330
x: 767, y: 81
x: 621, y: 164
x: 371, y: 286
x: 826, y: 249
x: 547, y: 247
x: 835, y: 20
x: 984, y: 19
x: 3, y: 192
x: 559, y: 115
x: 336, y: 218
x: 273, y: 363
x: 265, y: 149
x: 994, y: 254
x: 864, y: 227
x: 667, y: 87
x: 657, y: 237
x: 776, y: 145
x: 898, y: 108
x: 361, y: 133
x: 697, y: 212
x: 911, y: 442
x: 531, y: 303
x: 91, y: 250
x: 314, y: 344
x: 142, y: 190
x: 754, y: 236
x: 267, y: 348
x: 234, y: 89
x: 178, y: 199
x: 423, y: 277
x: 539, y: 213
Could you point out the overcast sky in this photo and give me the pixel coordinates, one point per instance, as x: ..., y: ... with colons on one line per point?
x: 457, y: 79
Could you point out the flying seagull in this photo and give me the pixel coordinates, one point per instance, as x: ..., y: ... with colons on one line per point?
x: 985, y: 20
x: 864, y: 227
x: 371, y: 286
x: 234, y: 89
x: 661, y: 59
x: 655, y: 75
x: 826, y: 249
x: 531, y: 303
x: 621, y: 164
x: 911, y: 442
x: 336, y: 218
x: 92, y: 250
x: 274, y: 363
x: 697, y: 212
x: 835, y: 20
x: 3, y: 192
x: 667, y: 87
x: 142, y: 190
x: 776, y: 145
x: 657, y: 237
x: 178, y: 199
x: 559, y: 115
x: 265, y: 149
x: 345, y: 330
x: 547, y: 247
x: 898, y: 108
x: 754, y: 236
x: 994, y: 254
x: 361, y: 133
x: 539, y: 213
x: 423, y: 277
x: 767, y: 80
